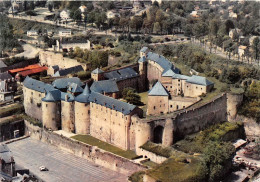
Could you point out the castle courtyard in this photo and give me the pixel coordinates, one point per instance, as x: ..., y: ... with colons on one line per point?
x: 63, y: 166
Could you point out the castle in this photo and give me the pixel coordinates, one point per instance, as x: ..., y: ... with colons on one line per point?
x: 96, y: 110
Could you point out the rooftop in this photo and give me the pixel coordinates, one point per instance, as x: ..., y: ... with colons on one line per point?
x: 2, y: 64
x: 168, y: 73
x: 144, y: 49
x: 25, y: 68
x: 5, y: 76
x: 64, y: 82
x: 121, y: 74
x: 32, y: 71
x: 75, y: 88
x: 199, y: 80
x: 84, y: 97
x: 67, y: 71
x: 37, y: 85
x: 158, y: 90
x: 52, y: 96
x: 97, y: 71
x: 181, y: 77
x: 162, y: 61
x: 111, y: 103
x: 107, y: 86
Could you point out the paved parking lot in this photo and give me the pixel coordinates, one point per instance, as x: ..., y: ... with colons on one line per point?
x: 63, y: 166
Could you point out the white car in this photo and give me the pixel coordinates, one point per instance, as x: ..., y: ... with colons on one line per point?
x: 43, y: 168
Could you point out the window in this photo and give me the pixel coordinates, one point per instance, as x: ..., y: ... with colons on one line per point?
x: 183, y: 107
x: 46, y: 105
x: 31, y: 100
x: 179, y: 85
x: 179, y: 80
x: 166, y: 86
x: 170, y: 86
x: 39, y: 95
x: 201, y: 88
x: 177, y: 107
x: 88, y: 111
x: 171, y: 106
x: 154, y: 107
x: 196, y: 87
x: 32, y: 93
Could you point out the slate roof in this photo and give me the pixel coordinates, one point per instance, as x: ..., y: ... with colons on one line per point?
x: 158, y: 90
x: 64, y: 82
x: 97, y: 71
x: 52, y: 96
x: 73, y: 41
x: 111, y: 103
x: 181, y: 77
x: 84, y: 97
x: 108, y: 86
x: 67, y: 71
x: 70, y: 97
x: 199, y: 80
x: 2, y: 64
x: 162, y: 61
x: 168, y: 73
x: 142, y: 59
x: 56, y: 67
x: 121, y: 74
x: 144, y: 49
x: 75, y: 88
x: 37, y: 85
x: 5, y: 76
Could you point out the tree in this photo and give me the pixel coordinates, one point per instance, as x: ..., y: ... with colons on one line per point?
x: 130, y: 96
x: 136, y: 23
x: 214, y: 27
x: 256, y: 45
x: 200, y: 29
x: 217, y: 159
x: 156, y: 27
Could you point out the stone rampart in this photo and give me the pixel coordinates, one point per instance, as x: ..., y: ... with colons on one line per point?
x: 91, y: 153
x: 152, y: 156
x: 49, y: 59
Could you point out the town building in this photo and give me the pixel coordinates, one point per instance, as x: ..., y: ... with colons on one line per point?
x: 7, y: 163
x: 32, y: 33
x: 67, y: 45
x: 112, y: 14
x: 66, y: 71
x: 65, y: 15
x: 65, y: 33
x: 8, y: 86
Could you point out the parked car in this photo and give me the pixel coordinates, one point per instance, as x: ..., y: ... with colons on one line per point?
x: 43, y: 168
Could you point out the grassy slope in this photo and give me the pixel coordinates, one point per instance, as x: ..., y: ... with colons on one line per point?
x: 105, y: 146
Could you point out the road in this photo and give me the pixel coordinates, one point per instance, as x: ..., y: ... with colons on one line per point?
x: 63, y: 166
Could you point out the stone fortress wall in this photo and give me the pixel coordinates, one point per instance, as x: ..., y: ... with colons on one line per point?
x: 172, y: 127
x: 49, y: 59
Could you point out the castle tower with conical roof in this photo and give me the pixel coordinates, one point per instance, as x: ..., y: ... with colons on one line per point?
x: 82, y: 112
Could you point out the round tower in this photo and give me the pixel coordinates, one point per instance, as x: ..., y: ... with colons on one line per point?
x: 51, y: 115
x: 67, y: 113
x: 82, y: 112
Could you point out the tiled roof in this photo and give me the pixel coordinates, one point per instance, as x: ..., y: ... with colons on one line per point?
x: 199, y: 80
x: 84, y: 97
x: 37, y: 85
x: 74, y: 41
x: 52, y: 96
x: 181, y: 77
x: 32, y: 71
x: 108, y: 86
x: 74, y: 88
x: 162, y: 61
x: 121, y: 74
x: 5, y: 76
x: 67, y: 71
x: 25, y: 68
x: 64, y: 82
x: 2, y: 64
x: 97, y: 71
x: 111, y: 103
x: 158, y: 90
x: 168, y: 72
x: 144, y: 49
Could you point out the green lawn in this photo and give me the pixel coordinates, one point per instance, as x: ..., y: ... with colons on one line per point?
x: 129, y: 154
x: 144, y: 100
